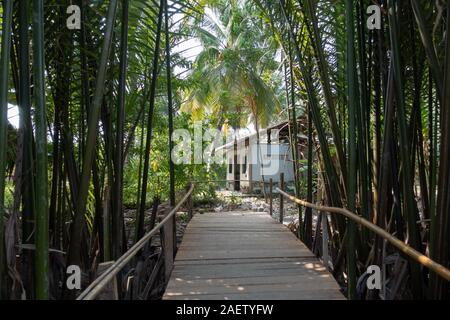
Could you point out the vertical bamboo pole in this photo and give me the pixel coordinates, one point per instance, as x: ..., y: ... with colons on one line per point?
x: 26, y: 127
x: 139, y: 222
x: 169, y: 104
x: 4, y: 80
x: 352, y: 140
x: 41, y: 220
x: 308, y: 211
x: 441, y: 224
x: 170, y: 113
x: 106, y: 225
x: 118, y: 161
x: 148, y: 141
x: 410, y: 205
x: 361, y: 116
x: 294, y: 140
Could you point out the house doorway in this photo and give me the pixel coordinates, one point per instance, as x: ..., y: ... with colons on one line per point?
x: 237, y: 171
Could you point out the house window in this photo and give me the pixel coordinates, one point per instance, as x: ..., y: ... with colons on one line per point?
x: 244, y: 166
x: 230, y: 167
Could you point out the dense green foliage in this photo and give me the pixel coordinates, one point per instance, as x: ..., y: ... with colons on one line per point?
x: 377, y: 101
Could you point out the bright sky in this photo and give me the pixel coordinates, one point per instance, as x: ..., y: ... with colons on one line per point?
x: 188, y: 49
x: 13, y: 115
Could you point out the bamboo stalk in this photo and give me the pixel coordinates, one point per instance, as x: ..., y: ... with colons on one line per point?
x: 428, y: 45
x: 41, y: 220
x: 118, y: 159
x: 143, y: 199
x: 294, y: 138
x: 409, y: 203
x: 28, y: 185
x: 330, y: 169
x: 308, y: 211
x: 353, y: 107
x: 325, y: 81
x: 169, y: 106
x: 441, y: 226
x: 361, y: 116
x: 4, y: 82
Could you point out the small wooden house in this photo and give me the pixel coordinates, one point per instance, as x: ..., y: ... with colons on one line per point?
x: 251, y: 165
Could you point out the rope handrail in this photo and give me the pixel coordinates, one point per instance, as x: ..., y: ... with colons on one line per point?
x: 92, y: 291
x: 414, y: 254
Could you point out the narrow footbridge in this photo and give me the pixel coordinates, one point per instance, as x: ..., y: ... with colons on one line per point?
x: 233, y: 255
x: 246, y: 255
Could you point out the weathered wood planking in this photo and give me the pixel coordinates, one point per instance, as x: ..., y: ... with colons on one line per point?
x: 246, y: 256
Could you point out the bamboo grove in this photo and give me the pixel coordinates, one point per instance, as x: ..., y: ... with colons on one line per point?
x: 97, y: 106
x: 83, y: 98
x: 377, y: 102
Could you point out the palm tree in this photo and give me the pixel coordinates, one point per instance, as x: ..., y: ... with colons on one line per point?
x: 228, y: 77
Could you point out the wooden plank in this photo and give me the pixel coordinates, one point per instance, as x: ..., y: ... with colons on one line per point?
x: 246, y: 261
x: 246, y: 255
x: 249, y: 285
x: 299, y: 295
x: 242, y: 268
x: 216, y: 254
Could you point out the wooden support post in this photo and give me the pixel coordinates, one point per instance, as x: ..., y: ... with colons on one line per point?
x: 111, y: 291
x: 325, y: 239
x: 168, y: 247
x: 271, y: 197
x: 190, y: 203
x: 281, y: 197
x: 174, y: 235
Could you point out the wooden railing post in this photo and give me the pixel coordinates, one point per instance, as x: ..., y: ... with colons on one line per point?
x: 191, y: 207
x: 325, y: 239
x: 190, y: 203
x: 111, y: 291
x: 281, y: 197
x: 168, y: 247
x: 271, y: 197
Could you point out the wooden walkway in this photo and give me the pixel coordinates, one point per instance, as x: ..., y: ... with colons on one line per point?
x: 246, y: 256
